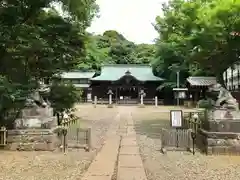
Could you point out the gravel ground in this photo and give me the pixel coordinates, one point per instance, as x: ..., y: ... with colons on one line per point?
x: 71, y: 166
x: 56, y: 165
x: 178, y: 165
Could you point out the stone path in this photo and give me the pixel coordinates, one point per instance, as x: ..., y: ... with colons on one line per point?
x: 121, y: 147
x: 102, y: 167
x: 130, y: 166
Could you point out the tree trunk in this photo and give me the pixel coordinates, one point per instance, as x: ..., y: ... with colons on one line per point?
x: 221, y: 80
x: 58, y: 119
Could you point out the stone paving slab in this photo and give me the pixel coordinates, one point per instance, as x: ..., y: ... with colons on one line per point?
x: 131, y: 161
x: 131, y: 174
x: 129, y: 134
x: 130, y: 165
x: 130, y: 130
x: 129, y: 150
x: 129, y: 141
x: 102, y: 167
x: 97, y: 178
x: 104, y: 163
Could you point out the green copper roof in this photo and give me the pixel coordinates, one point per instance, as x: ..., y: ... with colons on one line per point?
x: 77, y: 75
x: 117, y: 71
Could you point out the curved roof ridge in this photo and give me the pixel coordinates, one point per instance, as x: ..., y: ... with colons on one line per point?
x: 126, y: 65
x: 112, y: 72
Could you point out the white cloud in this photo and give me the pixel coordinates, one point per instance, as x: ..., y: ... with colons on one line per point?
x: 132, y: 18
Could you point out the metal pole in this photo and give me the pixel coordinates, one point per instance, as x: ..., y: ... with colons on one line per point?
x: 177, y: 138
x: 64, y: 143
x: 178, y: 87
x: 193, y: 147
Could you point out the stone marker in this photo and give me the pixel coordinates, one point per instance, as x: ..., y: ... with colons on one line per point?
x: 156, y: 101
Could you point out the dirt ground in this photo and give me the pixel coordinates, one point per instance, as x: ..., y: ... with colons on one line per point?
x: 56, y: 165
x: 177, y: 165
x: 148, y: 121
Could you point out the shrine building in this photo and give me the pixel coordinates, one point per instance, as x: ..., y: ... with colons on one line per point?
x: 125, y: 81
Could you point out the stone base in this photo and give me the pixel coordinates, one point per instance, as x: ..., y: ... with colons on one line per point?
x: 110, y: 106
x: 32, y: 140
x: 225, y: 125
x: 223, y: 150
x: 36, y: 122
x: 219, y: 142
x: 141, y: 105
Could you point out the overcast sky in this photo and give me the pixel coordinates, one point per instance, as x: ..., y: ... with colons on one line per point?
x: 132, y: 18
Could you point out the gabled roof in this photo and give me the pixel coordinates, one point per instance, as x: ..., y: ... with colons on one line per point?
x: 201, y: 80
x: 117, y: 71
x: 77, y: 75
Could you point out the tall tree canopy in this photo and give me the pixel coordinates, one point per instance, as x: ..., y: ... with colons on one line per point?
x: 37, y: 43
x: 195, y: 36
x: 113, y: 48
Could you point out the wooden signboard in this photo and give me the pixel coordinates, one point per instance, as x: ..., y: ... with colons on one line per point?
x: 176, y: 118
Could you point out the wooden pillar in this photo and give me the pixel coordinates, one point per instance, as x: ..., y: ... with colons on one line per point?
x: 116, y: 94
x: 138, y: 91
x: 195, y: 96
x: 226, y: 79
x: 232, y: 78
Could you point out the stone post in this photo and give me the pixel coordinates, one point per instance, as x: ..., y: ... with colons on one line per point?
x: 110, y: 93
x: 110, y: 99
x: 156, y: 101
x: 141, y: 98
x: 95, y: 101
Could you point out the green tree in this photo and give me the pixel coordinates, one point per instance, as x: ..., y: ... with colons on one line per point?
x: 95, y: 56
x: 195, y: 35
x: 214, y: 48
x: 63, y: 97
x: 36, y: 44
x: 144, y: 53
x: 113, y: 48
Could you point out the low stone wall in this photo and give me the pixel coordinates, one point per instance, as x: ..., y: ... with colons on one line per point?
x: 218, y: 142
x: 226, y: 125
x: 32, y: 140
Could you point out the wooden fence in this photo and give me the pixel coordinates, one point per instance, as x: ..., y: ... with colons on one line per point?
x: 3, y: 136
x: 77, y: 137
x: 176, y: 139
x: 190, y: 123
x: 181, y: 139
